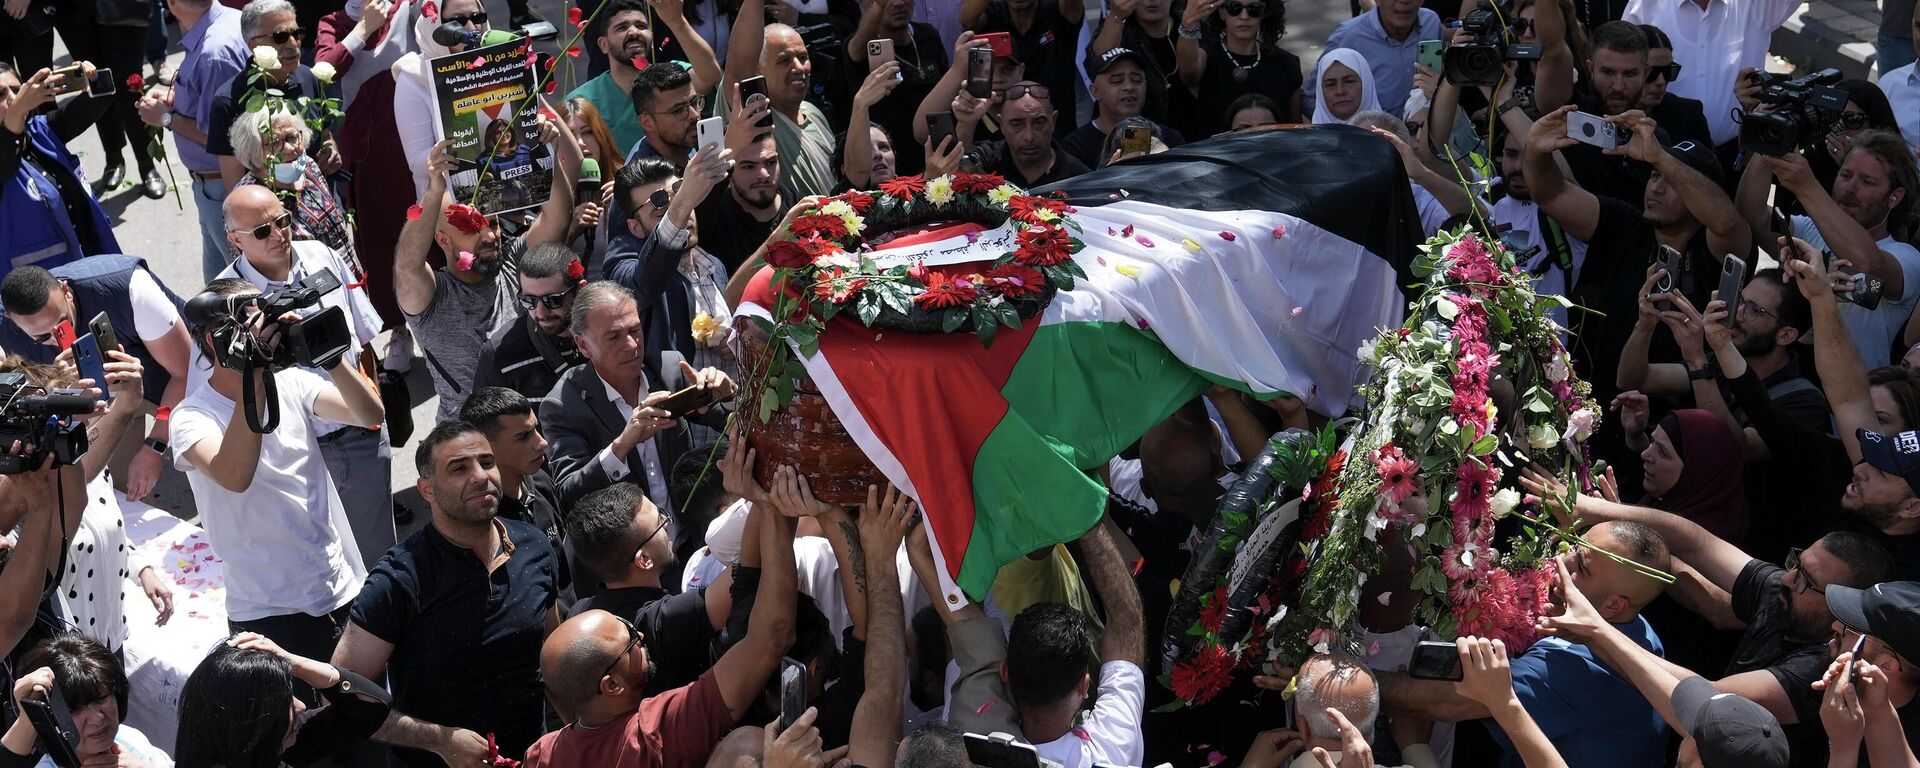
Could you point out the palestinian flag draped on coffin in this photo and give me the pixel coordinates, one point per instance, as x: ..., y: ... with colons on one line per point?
x: 1262, y: 261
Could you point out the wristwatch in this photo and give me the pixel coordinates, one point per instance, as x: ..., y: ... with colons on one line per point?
x: 166, y: 121
x: 157, y: 445
x: 1189, y: 34
x: 1708, y: 371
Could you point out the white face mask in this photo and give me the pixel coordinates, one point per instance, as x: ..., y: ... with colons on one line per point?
x: 289, y: 173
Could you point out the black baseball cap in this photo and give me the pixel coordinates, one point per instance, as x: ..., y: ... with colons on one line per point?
x: 1899, y: 455
x: 1889, y: 611
x: 1729, y: 730
x: 1699, y: 157
x: 1102, y: 62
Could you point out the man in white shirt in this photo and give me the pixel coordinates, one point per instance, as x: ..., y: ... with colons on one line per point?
x: 1902, y: 86
x: 603, y: 419
x: 1715, y: 39
x: 1873, y: 193
x: 359, y: 459
x: 1557, y: 256
x: 1031, y: 682
x: 268, y: 505
x: 1343, y: 684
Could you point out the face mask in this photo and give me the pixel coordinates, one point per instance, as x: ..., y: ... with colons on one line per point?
x: 288, y: 173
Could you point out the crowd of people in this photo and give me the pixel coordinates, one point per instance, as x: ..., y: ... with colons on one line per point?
x: 601, y: 580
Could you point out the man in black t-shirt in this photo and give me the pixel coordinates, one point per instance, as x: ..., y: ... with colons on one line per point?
x: 923, y: 60
x: 623, y: 537
x: 1028, y: 156
x: 1889, y: 615
x: 1045, y: 37
x: 737, y: 217
x: 1120, y: 86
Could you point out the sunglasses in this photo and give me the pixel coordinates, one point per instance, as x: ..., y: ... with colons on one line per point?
x: 1521, y: 27
x: 1021, y: 91
x: 633, y: 639
x: 266, y: 230
x: 1670, y: 72
x: 661, y: 197
x: 285, y: 35
x: 1252, y: 10
x: 550, y: 301
x: 476, y: 20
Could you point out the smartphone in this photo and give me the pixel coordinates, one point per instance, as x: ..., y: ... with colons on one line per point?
x: 63, y: 334
x: 939, y: 126
x: 67, y: 79
x: 713, y: 133
x: 980, y: 72
x: 102, y: 329
x: 686, y: 401
x: 89, y: 361
x: 1000, y: 750
x: 879, y: 52
x: 756, y: 86
x: 53, y: 724
x: 1588, y: 128
x: 1867, y: 289
x: 1733, y: 272
x: 102, y: 83
x: 1435, y: 660
x: 1001, y: 43
x: 1432, y: 55
x: 1135, y: 140
x: 1668, y: 262
x: 1855, y: 650
x: 793, y: 691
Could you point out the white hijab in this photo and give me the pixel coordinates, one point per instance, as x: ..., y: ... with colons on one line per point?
x: 1369, y: 101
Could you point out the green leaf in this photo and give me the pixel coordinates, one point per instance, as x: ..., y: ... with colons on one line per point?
x: 952, y: 319
x: 984, y: 324
x: 1009, y: 316
x: 828, y: 309
x: 894, y: 295
x: 1486, y: 444
x: 765, y: 324
x: 1196, y: 630
x: 867, y: 308
x: 1072, y: 224
x: 767, y: 407
x: 784, y: 388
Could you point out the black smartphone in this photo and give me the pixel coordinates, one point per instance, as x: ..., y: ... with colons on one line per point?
x: 1435, y: 660
x: 980, y: 72
x: 102, y: 83
x: 756, y: 86
x: 793, y: 691
x: 102, y: 329
x: 1733, y: 273
x: 1000, y: 750
x: 939, y: 126
x: 684, y: 402
x: 53, y: 724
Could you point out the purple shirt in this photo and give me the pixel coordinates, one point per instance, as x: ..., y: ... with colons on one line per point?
x: 216, y: 51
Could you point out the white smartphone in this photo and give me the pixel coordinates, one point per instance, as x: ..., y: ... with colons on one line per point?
x: 1592, y: 129
x: 712, y: 133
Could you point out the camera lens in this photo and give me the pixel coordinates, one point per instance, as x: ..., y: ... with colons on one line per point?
x: 1586, y: 129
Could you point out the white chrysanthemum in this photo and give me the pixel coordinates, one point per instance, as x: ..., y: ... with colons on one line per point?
x: 837, y: 208
x: 1001, y: 194
x: 940, y: 191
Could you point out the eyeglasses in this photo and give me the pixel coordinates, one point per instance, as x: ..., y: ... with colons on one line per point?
x: 1253, y: 10
x: 285, y: 35
x: 475, y: 20
x: 266, y: 230
x: 1670, y: 72
x: 693, y: 105
x: 1020, y: 91
x: 633, y: 639
x: 1806, y: 581
x: 550, y: 301
x: 1748, y: 307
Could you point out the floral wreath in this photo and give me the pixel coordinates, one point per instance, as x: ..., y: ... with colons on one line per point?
x: 1428, y: 456
x: 821, y: 266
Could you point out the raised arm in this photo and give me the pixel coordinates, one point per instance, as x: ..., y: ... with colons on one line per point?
x: 1125, y: 637
x: 1190, y: 57
x: 1751, y: 199
x: 352, y: 399
x: 1726, y: 231
x: 1711, y: 555
x: 1113, y: 26
x: 1577, y: 210
x: 1634, y: 372
x: 1842, y: 373
x: 744, y: 43
x: 706, y: 68
x: 1553, y: 76
x: 941, y: 97
x: 233, y: 459
x: 550, y: 226
x: 883, y: 525
x: 857, y: 162
x: 412, y: 276
x: 743, y: 670
x: 1844, y: 236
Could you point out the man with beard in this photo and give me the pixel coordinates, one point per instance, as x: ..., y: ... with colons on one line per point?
x: 1784, y: 607
x: 1618, y: 73
x: 1028, y: 156
x: 1045, y: 38
x: 623, y: 537
x: 512, y: 427
x: 802, y: 131
x: 678, y: 285
x: 453, y: 310
x: 597, y: 665
x: 1886, y: 615
x: 456, y: 613
x: 1119, y: 91
x: 739, y: 217
x: 1524, y: 228
x: 626, y: 39
x: 669, y: 106
x: 528, y: 356
x: 1872, y: 198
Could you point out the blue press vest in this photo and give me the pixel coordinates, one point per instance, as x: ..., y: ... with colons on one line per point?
x: 34, y: 226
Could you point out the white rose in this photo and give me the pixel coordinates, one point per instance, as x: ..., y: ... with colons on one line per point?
x: 1368, y: 352
x: 1504, y: 502
x: 323, y: 72
x: 1541, y: 437
x: 265, y: 57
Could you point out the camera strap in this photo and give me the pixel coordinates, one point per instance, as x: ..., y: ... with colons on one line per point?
x: 251, y: 400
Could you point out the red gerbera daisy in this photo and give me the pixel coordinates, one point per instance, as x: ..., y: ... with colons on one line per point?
x: 836, y: 287
x: 1043, y: 246
x: 819, y: 225
x: 860, y: 201
x: 1215, y: 611
x: 1016, y: 280
x: 945, y: 291
x: 976, y: 183
x: 903, y: 187
x: 1025, y: 208
x: 1204, y: 675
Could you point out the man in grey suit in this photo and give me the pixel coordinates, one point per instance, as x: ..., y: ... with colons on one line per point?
x: 603, y: 419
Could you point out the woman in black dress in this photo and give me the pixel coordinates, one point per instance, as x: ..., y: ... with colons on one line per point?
x: 1230, y: 48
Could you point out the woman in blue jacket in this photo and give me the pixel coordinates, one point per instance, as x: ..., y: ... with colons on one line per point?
x: 48, y: 216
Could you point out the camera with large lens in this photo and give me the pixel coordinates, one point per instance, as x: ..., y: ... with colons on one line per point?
x: 317, y: 340
x: 42, y: 421
x: 1482, y: 60
x: 1803, y: 109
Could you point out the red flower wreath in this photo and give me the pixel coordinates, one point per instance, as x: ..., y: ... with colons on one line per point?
x: 1025, y: 208
x: 1214, y: 613
x: 977, y: 183
x: 819, y: 225
x: 860, y: 201
x: 466, y: 218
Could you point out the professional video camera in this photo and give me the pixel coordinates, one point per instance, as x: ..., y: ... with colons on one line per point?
x: 318, y: 340
x: 1803, y: 108
x: 42, y: 420
x: 1482, y: 60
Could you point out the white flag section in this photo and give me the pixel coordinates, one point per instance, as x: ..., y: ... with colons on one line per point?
x: 1283, y: 306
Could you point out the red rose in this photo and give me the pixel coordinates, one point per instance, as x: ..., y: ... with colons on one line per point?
x: 1016, y: 280
x: 466, y: 218
x: 944, y: 291
x: 1043, y: 246
x: 787, y: 254
x: 575, y: 271
x: 1204, y: 675
x: 135, y: 82
x: 903, y: 187
x: 819, y: 225
x: 976, y: 183
x: 860, y: 201
x: 918, y: 272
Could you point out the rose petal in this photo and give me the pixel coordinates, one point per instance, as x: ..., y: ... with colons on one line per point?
x: 1128, y: 270
x: 573, y: 51
x: 1126, y: 231
x: 1279, y: 232
x: 414, y: 213
x: 1189, y: 244
x: 1227, y: 236
x: 1298, y: 310
x: 465, y: 261
x: 1215, y: 758
x: 1143, y: 241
